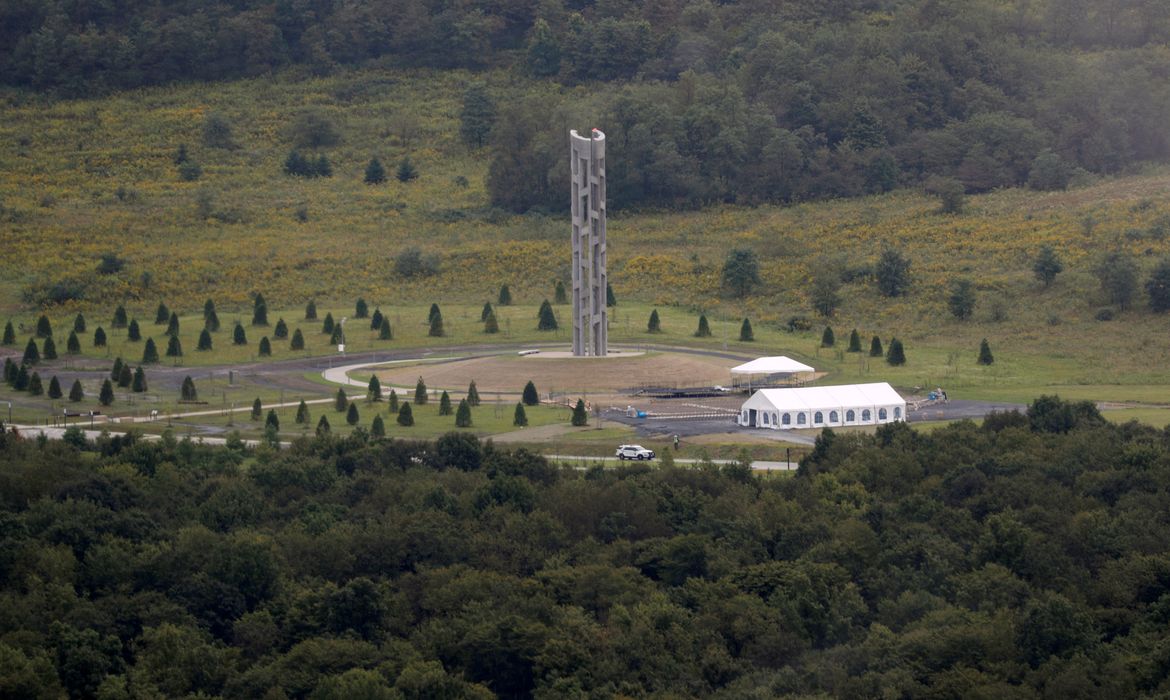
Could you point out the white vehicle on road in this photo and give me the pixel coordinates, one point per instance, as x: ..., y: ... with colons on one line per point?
x: 634, y: 452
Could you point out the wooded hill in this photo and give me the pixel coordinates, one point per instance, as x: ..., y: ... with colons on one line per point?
x: 740, y: 101
x: 1025, y: 558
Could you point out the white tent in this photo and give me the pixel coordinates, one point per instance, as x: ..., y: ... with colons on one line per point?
x: 823, y: 406
x: 772, y: 365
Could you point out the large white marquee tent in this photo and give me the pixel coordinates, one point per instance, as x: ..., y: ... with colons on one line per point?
x: 769, y: 369
x: 823, y: 406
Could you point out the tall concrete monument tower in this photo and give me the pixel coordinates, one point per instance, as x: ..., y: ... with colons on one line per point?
x: 590, y: 322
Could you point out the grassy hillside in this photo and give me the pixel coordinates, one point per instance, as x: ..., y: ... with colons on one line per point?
x: 89, y: 177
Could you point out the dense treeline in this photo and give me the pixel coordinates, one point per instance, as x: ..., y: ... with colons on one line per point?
x: 739, y: 101
x: 1024, y: 558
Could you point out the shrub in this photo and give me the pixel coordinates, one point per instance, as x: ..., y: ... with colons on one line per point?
x: 190, y: 171
x: 950, y: 192
x: 99, y: 337
x: 875, y: 347
x: 985, y: 356
x: 741, y: 272
x: 530, y: 397
x: 313, y: 128
x: 892, y: 272
x: 1047, y: 265
x: 149, y: 352
x: 265, y: 348
x: 828, y: 340
x: 704, y: 330
x: 1117, y: 273
x: 961, y: 301
x: 413, y: 263
x: 580, y: 416
x: 520, y: 416
x: 854, y: 342
x: 405, y: 416
x: 746, y: 335
x: 896, y: 355
x: 654, y: 324
x: 1158, y: 287
x: 217, y: 132
x: 280, y: 330
x: 323, y: 427
x: 375, y: 173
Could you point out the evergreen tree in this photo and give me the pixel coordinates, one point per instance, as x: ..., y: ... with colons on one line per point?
x: 302, y: 413
x: 384, y: 332
x: 187, y: 391
x: 405, y: 417
x: 10, y: 370
x: 896, y: 355
x: 351, y: 416
x: 49, y: 351
x: 79, y: 323
x: 433, y: 313
x: 265, y: 348
x: 436, y: 329
x: 99, y: 337
x: 559, y: 296
x: 73, y: 344
x: 34, y: 384
x: 361, y: 309
x: 375, y: 173
x: 239, y: 336
x: 162, y: 315
x: 892, y: 272
x: 174, y: 348
x: 543, y: 54
x: 311, y: 311
x: 580, y: 416
x: 211, y: 322
x: 445, y: 404
x: 280, y: 330
x: 875, y: 347
x: 44, y: 328
x: 377, y: 427
x: 340, y: 400
x: 295, y: 164
x: 745, y: 332
x: 704, y: 330
x: 119, y: 317
x: 406, y: 170
x: 463, y: 415
x: 491, y: 325
x: 259, y: 310
x: 173, y: 325
x: 1158, y: 287
x: 150, y: 352
x: 610, y: 299
x: 125, y: 377
x: 374, y: 390
x: 322, y: 168
x: 420, y: 392
x: 338, y: 338
x: 487, y: 311
x: 472, y: 394
x: 376, y: 319
x: 828, y: 340
x: 741, y: 272
x: 393, y: 401
x: 32, y: 354
x: 257, y: 409
x: 854, y: 341
x: 133, y: 333
x: 138, y: 384
x: 654, y: 325
x: 272, y: 421
x: 328, y: 324
x: 204, y: 340
x: 22, y: 379
x: 76, y: 392
x: 520, y: 416
x: 1117, y: 273
x: 530, y: 397
x: 298, y: 341
x: 9, y: 334
x: 546, y: 319
x: 505, y: 297
x: 961, y: 301
x: 55, y: 388
x: 1047, y: 265
x: 106, y: 394
x: 985, y: 356
x: 323, y: 426
x: 116, y: 370
x: 477, y: 117
x: 208, y: 309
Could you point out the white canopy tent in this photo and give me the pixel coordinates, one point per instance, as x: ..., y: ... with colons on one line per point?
x: 769, y: 368
x: 823, y: 406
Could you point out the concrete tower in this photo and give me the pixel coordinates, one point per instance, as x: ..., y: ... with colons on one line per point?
x: 590, y: 322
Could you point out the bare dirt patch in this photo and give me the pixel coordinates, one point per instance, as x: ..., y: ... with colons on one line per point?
x: 507, y: 374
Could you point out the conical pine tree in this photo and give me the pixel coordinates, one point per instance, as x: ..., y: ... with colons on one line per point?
x: 520, y: 416
x: 302, y: 413
x: 505, y: 296
x: 546, y: 319
x: 530, y: 397
x: 174, y: 347
x: 374, y: 390
x: 405, y: 416
x: 79, y: 323
x: 119, y: 320
x: 44, y: 328
x: 9, y: 335
x: 376, y: 319
x: 352, y: 416
x: 73, y: 344
x: 340, y: 400
x: 187, y: 391
x: 32, y: 354
x: 150, y: 352
x: 35, y: 387
x: 704, y: 330
x: 99, y: 337
x: 875, y: 347
x: 173, y: 325
x: 311, y: 311
x: 49, y: 351
x: 445, y: 404
x: 280, y: 330
x: 54, y: 388
x: 265, y: 347
x: 323, y: 426
x: 654, y: 325
x: 133, y: 332
x: 125, y: 377
x: 106, y: 394
x: 257, y: 409
x: 491, y: 325
x: 746, y: 335
x: 463, y: 415
x: 298, y: 341
x: 162, y: 315
x: 328, y: 324
x: 116, y: 369
x: 854, y: 341
x: 138, y: 385
x: 487, y: 310
x: 22, y: 378
x: 361, y: 309
x: 239, y: 336
x: 897, y: 355
x: 384, y: 332
x: 985, y: 356
x: 828, y: 340
x: 76, y: 392
x: 204, y: 340
x: 420, y: 392
x: 472, y: 394
x: 580, y: 415
x: 272, y: 420
x: 378, y: 427
x: 393, y: 401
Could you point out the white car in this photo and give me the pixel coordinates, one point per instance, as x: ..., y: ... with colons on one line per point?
x: 634, y: 452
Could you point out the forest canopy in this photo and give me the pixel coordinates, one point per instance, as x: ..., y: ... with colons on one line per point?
x: 1023, y: 558
x: 737, y: 101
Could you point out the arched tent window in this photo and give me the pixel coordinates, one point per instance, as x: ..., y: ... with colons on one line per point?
x: 832, y: 416
x: 786, y: 419
x: 818, y: 417
x: 764, y: 418
x: 850, y: 416
x: 865, y: 414
x: 744, y: 420
x: 800, y: 419
x: 882, y: 414
x: 897, y: 412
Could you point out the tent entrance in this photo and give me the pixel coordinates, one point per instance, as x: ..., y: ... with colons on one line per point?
x: 752, y: 413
